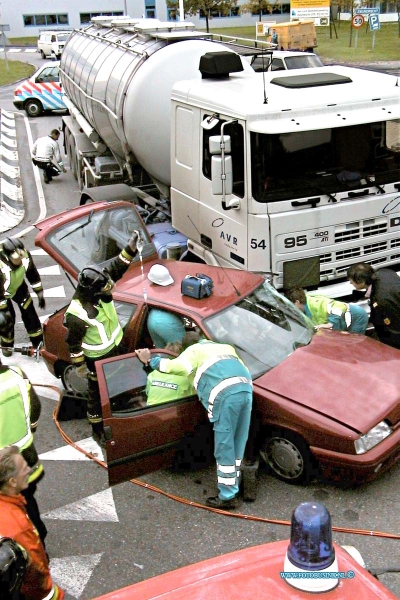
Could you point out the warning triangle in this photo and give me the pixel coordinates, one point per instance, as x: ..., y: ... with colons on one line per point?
x: 72, y: 573
x: 70, y: 453
x: 99, y: 507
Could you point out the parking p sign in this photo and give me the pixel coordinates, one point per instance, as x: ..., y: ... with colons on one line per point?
x: 374, y: 22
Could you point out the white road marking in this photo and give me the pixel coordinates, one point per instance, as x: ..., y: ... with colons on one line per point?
x: 55, y: 292
x: 69, y: 453
x: 53, y: 270
x: 9, y: 170
x: 72, y: 573
x: 39, y: 252
x: 99, y: 507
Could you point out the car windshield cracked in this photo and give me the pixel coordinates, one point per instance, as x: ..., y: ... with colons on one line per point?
x: 99, y: 237
x: 263, y: 327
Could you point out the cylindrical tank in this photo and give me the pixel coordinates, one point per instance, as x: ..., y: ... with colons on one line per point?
x: 120, y: 79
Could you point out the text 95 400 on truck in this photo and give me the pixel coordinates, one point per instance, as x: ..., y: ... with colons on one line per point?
x: 295, y: 174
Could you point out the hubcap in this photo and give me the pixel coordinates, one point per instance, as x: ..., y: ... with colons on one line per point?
x: 284, y: 458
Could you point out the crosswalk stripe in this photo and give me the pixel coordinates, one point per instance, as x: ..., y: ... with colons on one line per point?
x: 99, y: 507
x: 38, y: 252
x: 52, y: 270
x: 70, y: 453
x: 72, y: 573
x: 55, y: 292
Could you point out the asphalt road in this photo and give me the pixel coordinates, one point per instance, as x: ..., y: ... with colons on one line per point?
x: 100, y: 538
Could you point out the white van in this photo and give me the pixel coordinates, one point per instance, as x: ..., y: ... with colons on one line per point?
x: 281, y: 60
x: 40, y: 92
x: 51, y: 43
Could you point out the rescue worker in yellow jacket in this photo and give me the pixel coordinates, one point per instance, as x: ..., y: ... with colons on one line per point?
x: 328, y: 313
x: 224, y: 387
x: 16, y: 263
x: 94, y: 331
x: 19, y: 414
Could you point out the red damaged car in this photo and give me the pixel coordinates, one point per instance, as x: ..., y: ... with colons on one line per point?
x: 328, y: 400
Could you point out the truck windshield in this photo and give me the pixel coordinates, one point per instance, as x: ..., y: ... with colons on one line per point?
x: 325, y: 161
x: 264, y: 328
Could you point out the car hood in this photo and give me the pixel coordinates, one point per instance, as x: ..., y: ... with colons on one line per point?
x: 351, y: 378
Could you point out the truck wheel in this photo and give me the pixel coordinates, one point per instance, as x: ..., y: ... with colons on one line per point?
x: 288, y: 456
x: 71, y: 155
x: 33, y: 108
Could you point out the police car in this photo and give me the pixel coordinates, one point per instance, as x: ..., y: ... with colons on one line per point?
x: 40, y: 92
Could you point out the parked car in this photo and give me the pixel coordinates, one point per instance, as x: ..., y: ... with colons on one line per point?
x: 40, y: 92
x: 281, y: 60
x: 324, y: 402
x: 51, y: 43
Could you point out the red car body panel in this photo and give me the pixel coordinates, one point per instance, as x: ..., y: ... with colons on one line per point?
x: 250, y: 574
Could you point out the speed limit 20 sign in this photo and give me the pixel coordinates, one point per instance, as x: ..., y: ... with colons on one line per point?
x: 357, y: 21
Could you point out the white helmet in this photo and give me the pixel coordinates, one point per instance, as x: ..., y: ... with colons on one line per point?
x: 160, y: 275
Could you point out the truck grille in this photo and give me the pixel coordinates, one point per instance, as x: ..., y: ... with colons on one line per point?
x: 371, y: 253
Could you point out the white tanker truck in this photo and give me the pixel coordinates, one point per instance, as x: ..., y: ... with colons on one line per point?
x: 295, y: 174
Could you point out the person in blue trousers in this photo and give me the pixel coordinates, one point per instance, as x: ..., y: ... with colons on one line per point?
x: 224, y: 387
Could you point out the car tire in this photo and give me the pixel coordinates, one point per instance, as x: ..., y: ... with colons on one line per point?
x: 288, y: 457
x: 33, y: 108
x: 72, y: 382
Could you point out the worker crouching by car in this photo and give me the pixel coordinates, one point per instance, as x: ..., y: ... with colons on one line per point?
x: 94, y: 331
x: 224, y: 387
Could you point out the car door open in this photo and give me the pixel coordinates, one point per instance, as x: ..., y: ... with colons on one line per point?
x: 141, y: 438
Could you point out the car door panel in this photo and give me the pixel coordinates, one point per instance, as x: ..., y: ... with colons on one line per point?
x: 145, y: 439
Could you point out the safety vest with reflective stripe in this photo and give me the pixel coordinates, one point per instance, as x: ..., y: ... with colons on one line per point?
x: 320, y: 307
x: 15, y: 424
x: 102, y: 333
x: 13, y: 278
x: 212, y: 367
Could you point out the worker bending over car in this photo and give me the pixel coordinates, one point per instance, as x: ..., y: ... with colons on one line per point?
x: 224, y: 387
x: 329, y: 314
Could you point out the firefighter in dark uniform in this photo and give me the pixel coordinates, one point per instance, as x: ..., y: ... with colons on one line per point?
x: 16, y: 263
x: 94, y: 331
x: 19, y: 415
x: 383, y: 291
x: 13, y: 563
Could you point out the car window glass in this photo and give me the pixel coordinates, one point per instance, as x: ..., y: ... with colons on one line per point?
x: 265, y: 328
x: 126, y: 382
x: 277, y: 65
x: 98, y: 237
x: 125, y: 311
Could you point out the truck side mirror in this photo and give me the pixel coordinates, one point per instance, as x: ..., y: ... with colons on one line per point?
x: 221, y: 167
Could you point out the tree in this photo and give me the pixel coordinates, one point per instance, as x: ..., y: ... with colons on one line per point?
x: 257, y: 7
x: 207, y: 7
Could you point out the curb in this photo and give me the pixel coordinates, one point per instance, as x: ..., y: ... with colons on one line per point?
x: 12, y: 209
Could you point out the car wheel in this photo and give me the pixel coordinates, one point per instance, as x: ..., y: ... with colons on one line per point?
x: 33, y: 108
x: 72, y: 382
x: 288, y: 456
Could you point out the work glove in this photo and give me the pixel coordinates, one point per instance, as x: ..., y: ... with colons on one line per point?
x: 82, y: 370
x: 41, y: 300
x: 132, y: 243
